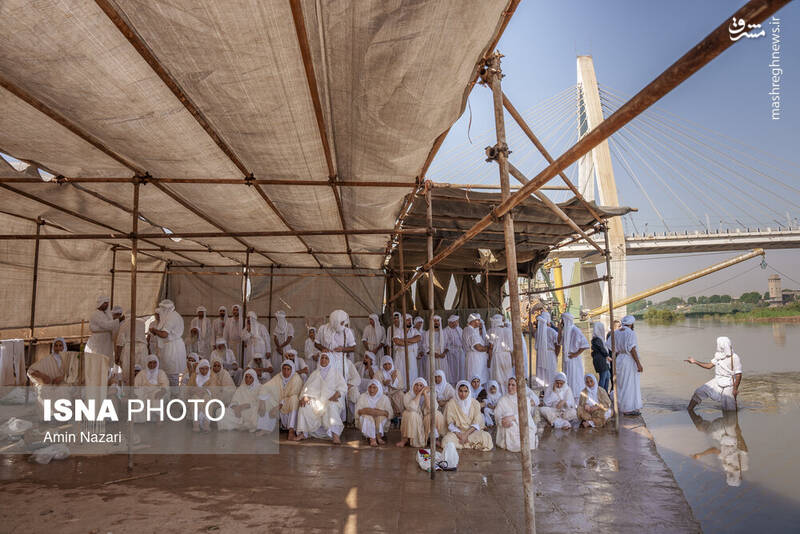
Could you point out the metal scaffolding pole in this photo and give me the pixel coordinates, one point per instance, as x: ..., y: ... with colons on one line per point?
x: 35, y: 282
x: 494, y: 76
x: 431, y: 331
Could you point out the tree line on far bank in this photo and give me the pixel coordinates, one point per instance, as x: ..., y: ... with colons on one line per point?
x: 749, y: 305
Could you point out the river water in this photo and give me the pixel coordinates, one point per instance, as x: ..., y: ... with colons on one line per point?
x: 741, y: 472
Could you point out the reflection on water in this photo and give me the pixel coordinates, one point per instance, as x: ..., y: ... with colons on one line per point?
x: 738, y: 470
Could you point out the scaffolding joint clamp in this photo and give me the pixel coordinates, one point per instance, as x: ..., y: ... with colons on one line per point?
x: 493, y: 152
x: 249, y: 180
x: 61, y: 179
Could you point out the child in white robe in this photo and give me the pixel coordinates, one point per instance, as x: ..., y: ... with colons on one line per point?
x: 492, y: 397
x: 373, y: 411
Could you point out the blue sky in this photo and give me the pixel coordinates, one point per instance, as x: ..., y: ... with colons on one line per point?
x: 631, y: 43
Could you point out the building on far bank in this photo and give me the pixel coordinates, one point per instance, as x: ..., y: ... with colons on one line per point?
x: 779, y: 296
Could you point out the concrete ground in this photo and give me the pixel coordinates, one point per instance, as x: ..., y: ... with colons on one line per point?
x: 586, y: 481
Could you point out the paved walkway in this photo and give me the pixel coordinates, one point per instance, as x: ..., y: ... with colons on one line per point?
x: 586, y: 481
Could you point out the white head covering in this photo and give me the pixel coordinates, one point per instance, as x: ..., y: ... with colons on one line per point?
x: 167, y: 305
x: 117, y: 309
x: 151, y: 374
x: 541, y: 345
x: 387, y: 375
x: 336, y: 320
x: 439, y: 317
x: 202, y: 309
x: 372, y: 400
x: 421, y: 380
x: 324, y: 369
x: 440, y: 387
x: 223, y: 308
x: 473, y: 317
x: 724, y: 348
x: 493, y: 397
x: 63, y: 341
x: 312, y: 329
x: 101, y: 299
x: 221, y: 341
x: 255, y: 383
x: 199, y: 377
x: 464, y: 404
x: 559, y: 376
x: 475, y: 392
x: 371, y: 356
x: 380, y: 331
x: 592, y: 392
x: 290, y: 363
x: 289, y: 350
x: 282, y: 325
x: 419, y: 319
x: 628, y: 320
x: 453, y: 318
x: 599, y: 330
x: 497, y: 320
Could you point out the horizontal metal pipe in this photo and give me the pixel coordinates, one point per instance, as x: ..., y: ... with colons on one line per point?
x: 577, y: 284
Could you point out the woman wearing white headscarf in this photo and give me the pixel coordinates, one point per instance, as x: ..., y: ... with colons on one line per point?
x: 336, y: 339
x: 300, y: 365
x: 373, y: 411
x: 256, y: 340
x: 724, y: 387
x: 284, y: 389
x: 199, y: 387
x: 501, y: 339
x: 507, y: 416
x: 629, y: 368
x: 559, y: 403
x: 444, y: 391
x: 493, y: 395
x: 594, y: 406
x: 241, y: 413
x: 321, y: 403
x: 233, y: 330
x: 573, y: 344
x: 546, y: 347
x: 374, y: 336
x: 477, y: 346
x: 415, y: 424
x: 223, y: 386
x: 49, y: 372
x: 205, y: 334
x: 392, y: 382
x: 454, y: 346
x: 310, y: 350
x: 150, y: 385
x: 465, y: 422
x: 169, y: 331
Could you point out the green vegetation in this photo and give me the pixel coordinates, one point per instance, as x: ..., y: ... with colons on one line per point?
x: 789, y: 310
x: 751, y: 297
x: 639, y: 305
x: 660, y: 315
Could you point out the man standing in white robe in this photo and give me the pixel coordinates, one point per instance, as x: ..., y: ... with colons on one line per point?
x: 118, y: 314
x: 102, y: 326
x: 422, y: 346
x: 321, y: 403
x: 574, y: 343
x: 374, y: 336
x: 629, y: 368
x: 336, y: 339
x: 282, y: 337
x: 438, y: 350
x: 724, y: 387
x: 477, y: 349
x: 123, y: 349
x: 205, y: 333
x: 233, y: 332
x: 400, y: 344
x: 172, y: 350
x: 546, y: 346
x: 501, y: 340
x: 218, y: 324
x: 454, y: 346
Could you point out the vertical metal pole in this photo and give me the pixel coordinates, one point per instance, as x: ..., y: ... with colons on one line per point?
x: 431, y: 331
x: 488, y: 300
x: 245, y: 280
x: 132, y: 338
x: 494, y: 75
x: 611, y: 327
x: 32, y: 324
x: 113, y: 271
x: 403, y: 307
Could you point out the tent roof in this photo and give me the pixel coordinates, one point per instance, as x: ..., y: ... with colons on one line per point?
x: 355, y: 91
x: 454, y: 211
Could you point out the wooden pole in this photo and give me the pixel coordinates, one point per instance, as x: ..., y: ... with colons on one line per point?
x: 245, y: 281
x: 403, y: 309
x: 132, y: 338
x: 611, y: 327
x: 32, y: 324
x: 432, y: 334
x: 488, y: 300
x: 113, y: 271
x: 269, y: 304
x: 494, y: 75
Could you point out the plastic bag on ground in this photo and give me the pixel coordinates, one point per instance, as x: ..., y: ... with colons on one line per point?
x: 451, y: 456
x: 14, y: 427
x: 53, y: 452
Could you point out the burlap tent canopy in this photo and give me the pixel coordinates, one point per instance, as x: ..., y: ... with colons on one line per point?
x: 332, y: 110
x: 537, y: 229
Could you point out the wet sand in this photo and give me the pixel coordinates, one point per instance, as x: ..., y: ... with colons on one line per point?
x: 586, y: 481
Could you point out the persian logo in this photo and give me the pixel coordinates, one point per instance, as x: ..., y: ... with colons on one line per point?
x: 737, y: 28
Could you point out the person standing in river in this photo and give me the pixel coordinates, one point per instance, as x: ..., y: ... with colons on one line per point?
x: 724, y: 387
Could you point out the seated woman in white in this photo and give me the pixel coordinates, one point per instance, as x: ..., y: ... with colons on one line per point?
x: 49, y: 372
x: 199, y: 387
x: 191, y: 364
x: 150, y: 385
x: 465, y: 422
x: 392, y: 382
x: 559, y: 403
x: 416, y: 423
x: 444, y: 391
x: 372, y: 413
x: 594, y: 406
x: 241, y: 413
x: 507, y: 417
x: 321, y: 403
x: 281, y: 393
x: 492, y: 398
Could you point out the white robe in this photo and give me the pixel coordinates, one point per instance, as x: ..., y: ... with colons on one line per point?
x: 454, y: 343
x: 720, y: 388
x: 205, y: 341
x: 629, y: 397
x: 233, y: 333
x: 546, y: 358
x: 502, y: 340
x: 102, y: 326
x: 375, y: 337
x: 574, y: 340
x: 321, y: 417
x: 257, y: 340
x: 399, y: 354
x: 172, y: 351
x: 476, y: 360
x: 309, y: 351
x: 509, y: 438
x: 329, y: 338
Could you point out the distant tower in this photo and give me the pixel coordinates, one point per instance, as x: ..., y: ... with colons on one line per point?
x: 775, y: 294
